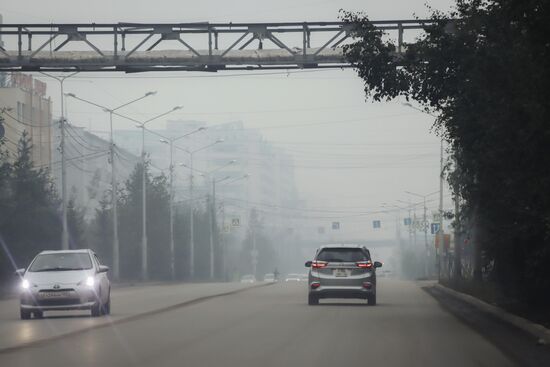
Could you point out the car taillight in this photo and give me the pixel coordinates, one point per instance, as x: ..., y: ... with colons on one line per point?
x: 319, y: 264
x: 367, y: 285
x: 364, y: 264
x: 315, y: 285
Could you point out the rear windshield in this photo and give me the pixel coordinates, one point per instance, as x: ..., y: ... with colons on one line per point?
x: 342, y: 255
x: 61, y: 261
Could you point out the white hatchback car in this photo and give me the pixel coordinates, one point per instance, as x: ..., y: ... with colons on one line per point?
x: 64, y: 280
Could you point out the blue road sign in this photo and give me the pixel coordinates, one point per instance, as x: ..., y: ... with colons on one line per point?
x: 407, y: 221
x: 435, y: 228
x: 376, y: 224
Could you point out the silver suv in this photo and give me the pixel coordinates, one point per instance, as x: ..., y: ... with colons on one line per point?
x: 342, y: 271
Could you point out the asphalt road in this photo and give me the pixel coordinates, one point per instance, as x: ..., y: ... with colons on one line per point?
x: 273, y: 326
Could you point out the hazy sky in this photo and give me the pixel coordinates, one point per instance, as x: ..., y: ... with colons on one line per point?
x: 350, y: 154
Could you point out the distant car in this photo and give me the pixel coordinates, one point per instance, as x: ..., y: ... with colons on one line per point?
x: 293, y: 278
x: 249, y: 278
x: 270, y: 278
x: 64, y: 280
x: 345, y: 271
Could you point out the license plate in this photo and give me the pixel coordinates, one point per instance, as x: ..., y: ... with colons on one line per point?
x: 54, y: 294
x: 340, y: 273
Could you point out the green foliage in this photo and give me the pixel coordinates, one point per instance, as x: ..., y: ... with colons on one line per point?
x: 483, y: 69
x: 76, y: 224
x: 29, y: 218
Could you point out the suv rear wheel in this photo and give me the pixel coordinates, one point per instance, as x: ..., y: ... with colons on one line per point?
x: 371, y: 300
x: 312, y: 300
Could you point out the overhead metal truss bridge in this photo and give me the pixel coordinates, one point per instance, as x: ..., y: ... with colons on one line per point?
x: 130, y: 47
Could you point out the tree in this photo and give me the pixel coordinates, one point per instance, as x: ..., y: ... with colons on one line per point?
x: 100, y: 231
x: 30, y: 217
x: 76, y: 224
x: 483, y: 69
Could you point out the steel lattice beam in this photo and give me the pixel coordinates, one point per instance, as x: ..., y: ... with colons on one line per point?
x: 32, y: 47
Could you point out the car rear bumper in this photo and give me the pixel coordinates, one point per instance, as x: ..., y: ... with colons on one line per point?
x: 342, y: 292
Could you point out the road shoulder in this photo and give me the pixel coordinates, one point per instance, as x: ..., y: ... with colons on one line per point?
x: 529, y: 341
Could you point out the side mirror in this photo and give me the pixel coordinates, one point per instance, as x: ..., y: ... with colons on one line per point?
x: 377, y: 264
x: 20, y: 272
x: 308, y: 264
x: 103, y: 269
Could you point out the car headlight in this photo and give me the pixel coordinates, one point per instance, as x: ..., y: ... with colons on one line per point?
x: 90, y: 281
x: 25, y: 284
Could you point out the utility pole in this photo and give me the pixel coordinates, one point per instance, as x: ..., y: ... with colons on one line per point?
x: 171, y: 206
x: 212, y: 219
x: 144, y: 270
x: 212, y: 224
x: 211, y: 227
x: 427, y: 248
x: 425, y: 225
x: 191, y: 222
x: 116, y: 251
x: 458, y: 243
x: 223, y: 249
x: 442, y: 250
x: 254, y: 252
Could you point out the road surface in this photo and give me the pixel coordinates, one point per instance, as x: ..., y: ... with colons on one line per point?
x: 270, y: 326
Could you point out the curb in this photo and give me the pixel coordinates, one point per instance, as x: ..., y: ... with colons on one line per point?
x: 142, y: 315
x: 538, y: 331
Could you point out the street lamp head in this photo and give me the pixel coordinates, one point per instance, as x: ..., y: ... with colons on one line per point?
x: 407, y: 104
x: 152, y: 93
x: 177, y: 108
x: 106, y: 110
x: 70, y: 95
x: 202, y: 128
x: 163, y: 141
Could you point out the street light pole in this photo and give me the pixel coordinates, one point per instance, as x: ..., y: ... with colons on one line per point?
x: 111, y: 111
x: 144, y: 244
x: 191, y: 222
x: 192, y: 209
x: 65, y: 227
x: 212, y: 221
x: 171, y: 141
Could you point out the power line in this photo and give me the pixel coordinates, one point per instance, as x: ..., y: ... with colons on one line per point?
x: 80, y: 141
x: 85, y: 156
x: 4, y: 111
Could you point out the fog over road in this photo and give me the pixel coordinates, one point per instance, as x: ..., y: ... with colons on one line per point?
x: 270, y: 326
